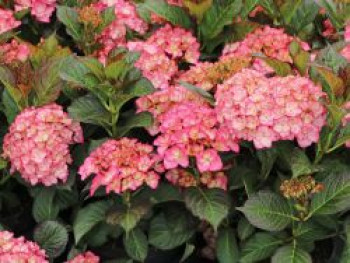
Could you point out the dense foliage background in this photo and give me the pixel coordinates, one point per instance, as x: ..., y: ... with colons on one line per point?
x: 174, y: 131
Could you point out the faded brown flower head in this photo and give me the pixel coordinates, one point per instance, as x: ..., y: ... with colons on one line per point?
x: 297, y: 188
x: 89, y: 15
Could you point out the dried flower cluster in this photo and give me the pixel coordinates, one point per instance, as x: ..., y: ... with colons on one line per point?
x: 297, y: 188
x: 37, y: 144
x: 121, y: 165
x: 184, y: 178
x: 19, y: 250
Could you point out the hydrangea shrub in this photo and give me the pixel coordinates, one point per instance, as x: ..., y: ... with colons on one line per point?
x: 174, y: 131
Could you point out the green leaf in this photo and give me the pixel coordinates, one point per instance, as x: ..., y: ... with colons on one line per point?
x: 88, y: 109
x: 309, y: 231
x: 288, y: 9
x: 304, y: 16
x: 220, y: 14
x: 171, y: 228
x: 74, y: 71
x: 88, y: 217
x: 334, y: 198
x: 66, y: 198
x: 69, y: 17
x: 136, y: 245
x: 94, y: 144
x: 259, y: 247
x: 206, y: 95
x: 211, y: 205
x: 281, y: 68
x: 291, y: 254
x: 128, y: 216
x: 141, y: 88
x: 248, y: 7
x: 226, y: 246
x: 268, y: 211
x: 330, y: 57
x: 47, y: 83
x: 140, y: 120
x: 11, y: 108
x: 267, y: 158
x: 189, y: 249
x: 244, y: 229
x: 3, y: 163
x: 296, y: 160
x: 44, y: 207
x: 166, y: 192
x: 52, y: 237
x: 174, y: 14
x: 108, y: 16
x: 116, y: 70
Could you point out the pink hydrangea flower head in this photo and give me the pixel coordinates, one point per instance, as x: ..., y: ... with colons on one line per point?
x: 161, y: 101
x: 121, y: 165
x: 7, y: 21
x: 271, y: 42
x: 115, y: 34
x: 347, y: 32
x: 187, y: 130
x: 346, y: 120
x: 19, y: 250
x: 14, y: 51
x: 40, y: 9
x: 346, y: 52
x: 37, y: 144
x: 87, y: 257
x: 161, y: 52
x: 255, y: 108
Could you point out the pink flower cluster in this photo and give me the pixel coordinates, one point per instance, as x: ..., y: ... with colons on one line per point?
x: 161, y: 101
x: 189, y: 130
x: 19, y: 250
x: 346, y: 51
x: 184, y: 178
x: 255, y: 108
x: 115, y: 34
x: 40, y: 9
x: 346, y: 119
x: 37, y: 144
x: 7, y: 21
x: 121, y: 165
x: 161, y: 52
x: 271, y: 42
x: 87, y: 257
x: 14, y: 51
